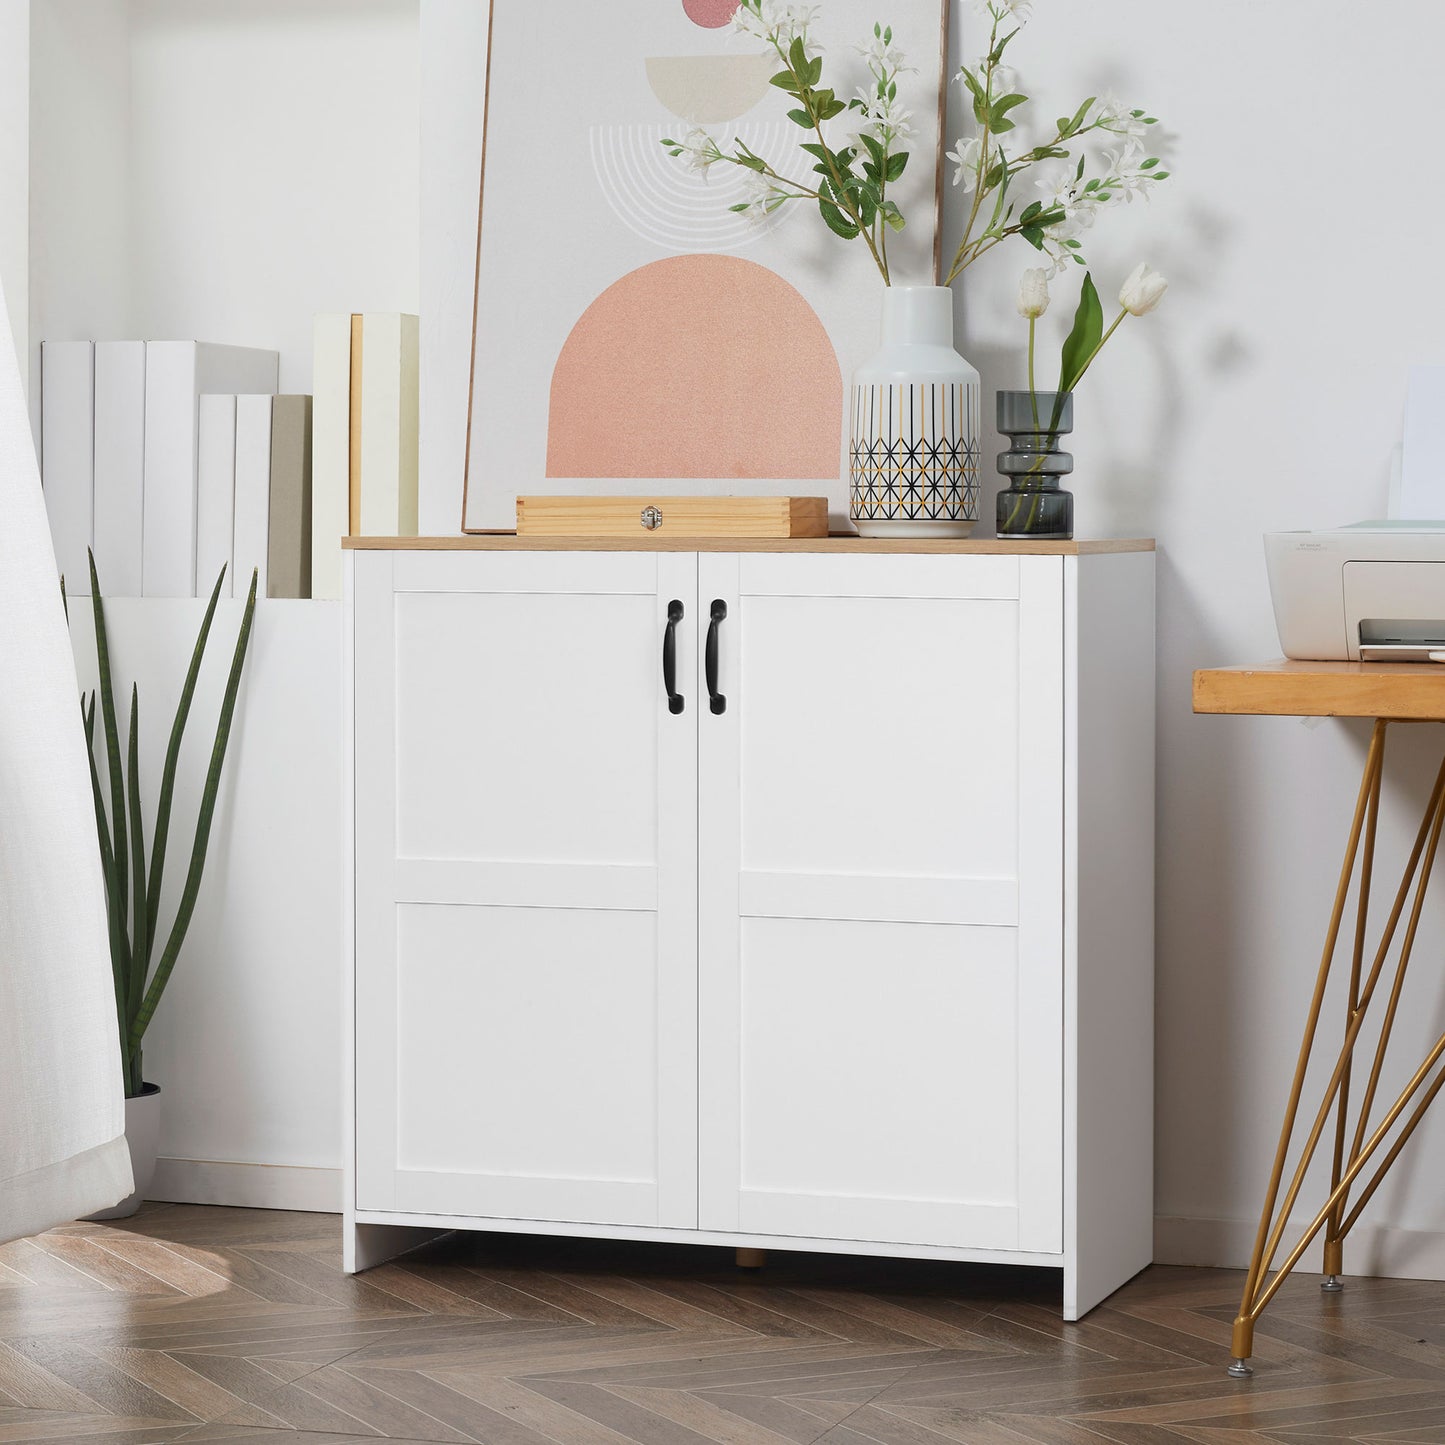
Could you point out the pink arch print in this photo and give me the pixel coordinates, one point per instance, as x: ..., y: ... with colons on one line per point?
x: 710, y: 14
x: 697, y: 366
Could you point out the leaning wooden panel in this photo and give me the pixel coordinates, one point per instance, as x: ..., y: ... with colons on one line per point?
x: 1324, y: 689
x: 655, y: 516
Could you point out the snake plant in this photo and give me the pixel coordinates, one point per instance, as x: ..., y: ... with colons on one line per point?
x: 133, y: 883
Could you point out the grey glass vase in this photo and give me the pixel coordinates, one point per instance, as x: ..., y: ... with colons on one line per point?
x: 1033, y: 504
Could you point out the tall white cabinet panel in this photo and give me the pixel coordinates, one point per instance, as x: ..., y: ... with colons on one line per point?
x: 880, y: 898
x: 525, y: 890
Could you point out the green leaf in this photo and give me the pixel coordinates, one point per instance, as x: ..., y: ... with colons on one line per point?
x: 896, y: 164
x: 798, y: 56
x: 118, y: 957
x: 814, y: 72
x: 802, y: 118
x: 785, y: 80
x: 168, y: 770
x: 1071, y: 126
x: 836, y: 221
x: 112, y: 742
x: 1004, y: 104
x: 203, y: 829
x: 140, y: 942
x: 831, y: 109
x: 874, y: 147
x: 1033, y: 235
x: 820, y: 152
x: 1030, y: 211
x: 1083, y: 340
x: 972, y: 82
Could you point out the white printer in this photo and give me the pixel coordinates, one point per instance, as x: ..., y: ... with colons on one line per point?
x: 1372, y: 592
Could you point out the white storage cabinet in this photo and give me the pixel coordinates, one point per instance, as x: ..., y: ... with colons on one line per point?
x: 842, y: 940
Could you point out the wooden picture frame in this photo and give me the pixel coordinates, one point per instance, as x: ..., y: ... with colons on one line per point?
x: 630, y: 332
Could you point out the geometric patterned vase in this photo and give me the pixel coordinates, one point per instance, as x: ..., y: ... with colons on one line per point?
x: 913, y: 423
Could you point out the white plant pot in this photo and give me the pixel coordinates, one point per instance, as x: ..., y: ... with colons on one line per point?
x: 913, y: 423
x: 142, y: 1136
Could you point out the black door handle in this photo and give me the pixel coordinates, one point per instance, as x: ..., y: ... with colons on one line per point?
x: 675, y: 702
x: 715, y: 700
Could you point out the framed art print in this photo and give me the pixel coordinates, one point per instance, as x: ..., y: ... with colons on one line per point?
x: 629, y: 330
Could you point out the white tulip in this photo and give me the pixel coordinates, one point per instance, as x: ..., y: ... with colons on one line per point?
x: 1143, y: 291
x: 1033, y: 298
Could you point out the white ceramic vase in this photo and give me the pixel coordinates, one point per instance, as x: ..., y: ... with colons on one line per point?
x: 142, y: 1136
x: 913, y: 443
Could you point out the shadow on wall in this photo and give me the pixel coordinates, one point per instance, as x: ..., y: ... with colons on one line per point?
x: 1201, y: 816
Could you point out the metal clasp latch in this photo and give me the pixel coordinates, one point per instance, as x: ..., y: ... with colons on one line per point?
x: 651, y: 518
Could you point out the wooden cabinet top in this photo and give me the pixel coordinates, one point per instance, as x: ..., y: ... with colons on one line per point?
x: 1286, y: 688
x: 650, y: 542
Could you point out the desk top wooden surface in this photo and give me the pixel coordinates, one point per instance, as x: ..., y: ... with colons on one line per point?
x: 1285, y: 688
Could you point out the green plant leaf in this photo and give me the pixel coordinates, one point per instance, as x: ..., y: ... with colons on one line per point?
x: 896, y: 164
x: 785, y: 80
x: 139, y: 943
x: 802, y: 118
x: 112, y: 742
x: 118, y: 959
x: 836, y: 221
x: 203, y: 828
x: 1083, y: 340
x: 1004, y: 104
x: 168, y: 771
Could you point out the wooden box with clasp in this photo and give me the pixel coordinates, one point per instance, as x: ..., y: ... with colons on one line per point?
x: 761, y: 517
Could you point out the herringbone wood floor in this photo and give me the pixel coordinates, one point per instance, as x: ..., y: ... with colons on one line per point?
x: 197, y: 1324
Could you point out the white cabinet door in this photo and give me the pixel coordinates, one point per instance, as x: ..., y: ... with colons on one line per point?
x: 526, y: 928
x: 881, y: 899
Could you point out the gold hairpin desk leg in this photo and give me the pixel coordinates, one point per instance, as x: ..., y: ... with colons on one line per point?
x: 1353, y: 1148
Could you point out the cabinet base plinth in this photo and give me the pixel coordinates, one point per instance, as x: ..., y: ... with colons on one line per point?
x: 751, y: 1258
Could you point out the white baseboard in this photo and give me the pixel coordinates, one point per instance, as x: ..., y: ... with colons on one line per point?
x: 1371, y: 1249
x: 247, y: 1186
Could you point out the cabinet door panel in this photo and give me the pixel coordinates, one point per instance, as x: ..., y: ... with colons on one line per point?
x: 527, y: 727
x: 526, y: 890
x: 881, y: 908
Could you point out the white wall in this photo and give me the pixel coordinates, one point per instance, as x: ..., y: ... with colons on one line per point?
x: 246, y: 1045
x: 1267, y: 393
x: 225, y: 169
x: 15, y: 171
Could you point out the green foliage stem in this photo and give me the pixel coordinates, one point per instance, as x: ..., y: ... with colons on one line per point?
x: 132, y: 893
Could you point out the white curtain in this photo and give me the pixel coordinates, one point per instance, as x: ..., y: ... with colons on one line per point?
x: 62, y: 1150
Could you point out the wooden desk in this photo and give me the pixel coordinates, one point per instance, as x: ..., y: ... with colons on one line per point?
x: 1388, y: 692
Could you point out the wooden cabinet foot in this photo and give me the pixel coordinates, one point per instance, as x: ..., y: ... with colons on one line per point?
x: 751, y: 1258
